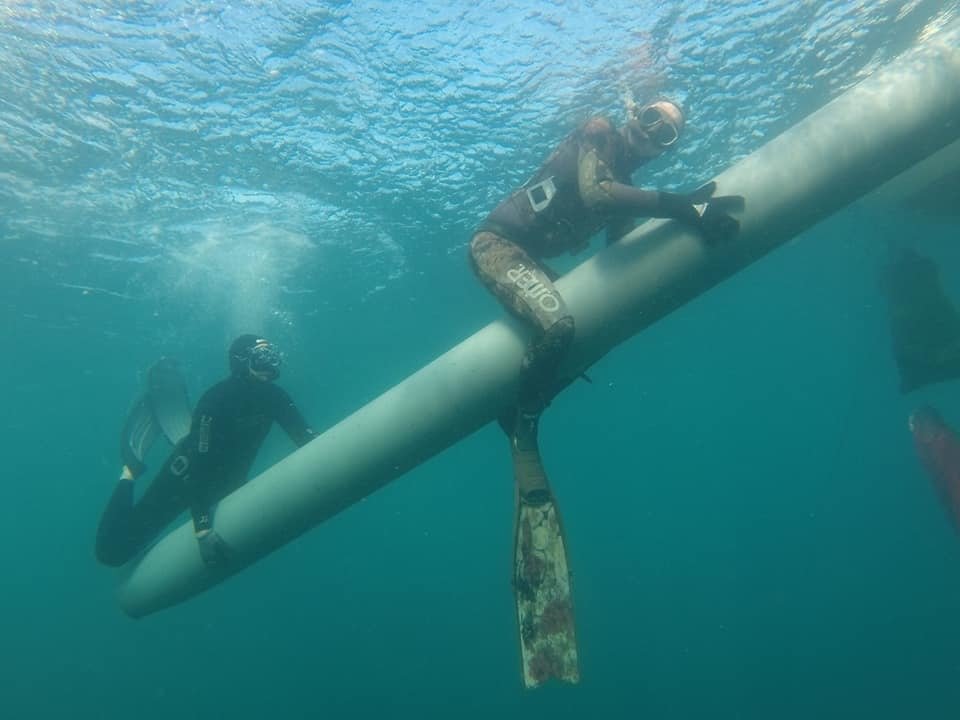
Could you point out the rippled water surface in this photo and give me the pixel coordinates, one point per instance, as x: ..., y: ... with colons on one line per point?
x: 750, y: 533
x: 143, y: 139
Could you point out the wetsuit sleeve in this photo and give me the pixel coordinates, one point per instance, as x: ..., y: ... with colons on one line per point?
x: 598, y: 184
x: 291, y: 420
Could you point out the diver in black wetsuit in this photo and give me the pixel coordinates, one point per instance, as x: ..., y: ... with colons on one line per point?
x: 228, y: 427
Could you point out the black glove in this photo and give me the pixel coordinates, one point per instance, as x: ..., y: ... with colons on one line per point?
x: 701, y: 210
x: 213, y: 549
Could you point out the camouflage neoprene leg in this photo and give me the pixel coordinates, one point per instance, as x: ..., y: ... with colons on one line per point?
x: 527, y: 292
x: 541, y: 576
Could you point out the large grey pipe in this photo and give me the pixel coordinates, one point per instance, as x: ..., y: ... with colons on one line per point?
x: 876, y: 130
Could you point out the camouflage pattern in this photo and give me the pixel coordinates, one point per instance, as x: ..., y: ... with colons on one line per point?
x: 517, y: 281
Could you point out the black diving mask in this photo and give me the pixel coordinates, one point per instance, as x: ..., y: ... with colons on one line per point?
x: 264, y: 358
x: 657, y: 126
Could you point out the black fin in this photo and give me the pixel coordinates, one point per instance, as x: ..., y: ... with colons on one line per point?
x: 923, y: 322
x: 139, y: 433
x: 167, y: 395
x: 164, y: 408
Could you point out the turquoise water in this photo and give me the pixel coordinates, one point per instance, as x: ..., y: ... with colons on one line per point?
x: 750, y: 532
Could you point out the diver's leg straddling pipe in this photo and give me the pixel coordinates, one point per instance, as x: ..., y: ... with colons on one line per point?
x: 525, y: 289
x: 541, y: 576
x: 538, y: 374
x: 126, y: 527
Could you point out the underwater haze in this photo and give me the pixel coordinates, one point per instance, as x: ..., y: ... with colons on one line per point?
x: 750, y: 532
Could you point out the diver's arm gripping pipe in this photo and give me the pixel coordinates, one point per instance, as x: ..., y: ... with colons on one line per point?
x: 874, y: 131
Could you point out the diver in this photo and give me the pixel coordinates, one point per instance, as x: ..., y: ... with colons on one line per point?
x: 212, y: 454
x: 583, y: 187
x: 925, y: 338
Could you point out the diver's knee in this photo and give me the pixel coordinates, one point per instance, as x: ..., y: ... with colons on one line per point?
x: 475, y: 252
x: 479, y: 243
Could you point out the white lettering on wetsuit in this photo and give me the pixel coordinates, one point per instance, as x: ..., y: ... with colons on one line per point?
x: 528, y: 284
x: 203, y: 442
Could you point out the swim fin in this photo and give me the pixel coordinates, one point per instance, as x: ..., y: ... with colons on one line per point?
x: 167, y: 392
x: 923, y: 322
x: 541, y: 574
x: 938, y: 448
x: 138, y: 436
x: 162, y: 409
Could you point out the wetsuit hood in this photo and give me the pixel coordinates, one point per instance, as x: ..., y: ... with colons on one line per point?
x: 653, y: 128
x: 251, y: 354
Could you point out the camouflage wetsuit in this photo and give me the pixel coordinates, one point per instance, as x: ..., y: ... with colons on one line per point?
x: 583, y: 187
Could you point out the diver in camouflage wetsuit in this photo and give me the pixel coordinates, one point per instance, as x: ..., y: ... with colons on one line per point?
x: 583, y: 187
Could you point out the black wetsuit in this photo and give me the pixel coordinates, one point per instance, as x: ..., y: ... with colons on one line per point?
x: 228, y: 427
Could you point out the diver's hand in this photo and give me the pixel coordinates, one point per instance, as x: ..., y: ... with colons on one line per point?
x: 213, y: 549
x: 716, y: 222
x: 708, y: 214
